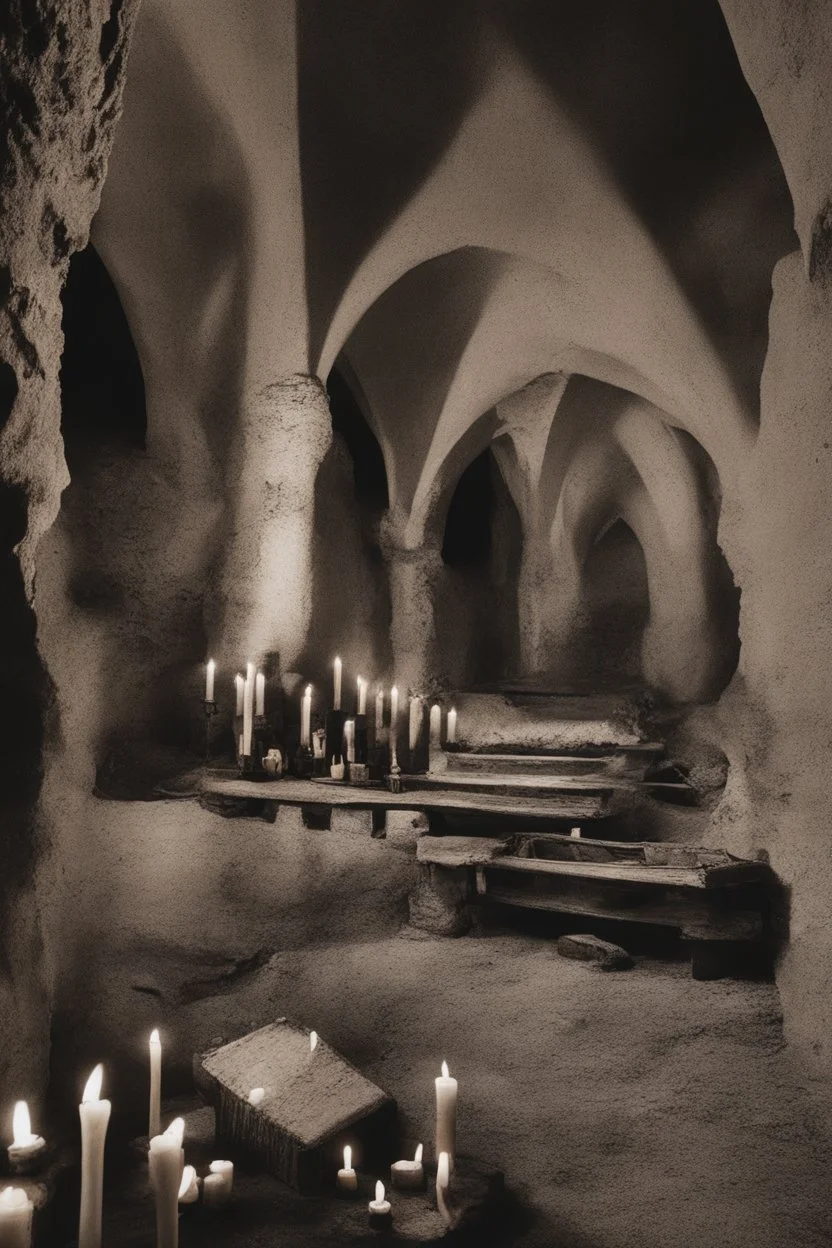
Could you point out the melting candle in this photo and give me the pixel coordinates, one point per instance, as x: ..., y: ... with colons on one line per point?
x: 95, y: 1116
x: 189, y: 1187
x: 408, y: 1175
x: 15, y: 1218
x: 379, y: 1208
x: 336, y: 680
x: 209, y: 680
x: 306, y: 718
x: 218, y: 1185
x: 165, y: 1165
x: 443, y: 1178
x: 347, y: 1180
x: 27, y: 1150
x: 446, y: 1098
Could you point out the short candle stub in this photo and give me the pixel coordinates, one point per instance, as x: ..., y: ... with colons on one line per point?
x: 346, y: 1183
x: 379, y: 1210
x: 27, y: 1151
x: 408, y: 1176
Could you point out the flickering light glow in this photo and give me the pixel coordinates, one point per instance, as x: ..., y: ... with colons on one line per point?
x: 418, y: 1154
x: 445, y: 1071
x: 188, y: 1179
x: 22, y: 1126
x: 92, y: 1088
x: 347, y: 1157
x: 313, y: 1041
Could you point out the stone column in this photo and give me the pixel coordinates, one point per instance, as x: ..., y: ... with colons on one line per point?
x: 548, y: 598
x: 266, y: 579
x: 414, y: 576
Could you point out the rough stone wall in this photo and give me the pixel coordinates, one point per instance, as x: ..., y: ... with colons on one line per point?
x: 61, y: 76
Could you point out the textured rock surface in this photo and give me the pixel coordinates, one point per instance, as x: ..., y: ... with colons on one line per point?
x: 62, y: 75
x: 604, y: 953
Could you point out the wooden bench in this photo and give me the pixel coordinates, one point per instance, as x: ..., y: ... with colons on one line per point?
x: 711, y: 898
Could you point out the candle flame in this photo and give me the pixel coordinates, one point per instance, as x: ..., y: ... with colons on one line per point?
x: 418, y: 1156
x: 313, y: 1041
x: 92, y: 1088
x: 337, y: 661
x: 255, y: 1096
x: 445, y: 1071
x: 21, y: 1123
x: 308, y: 691
x: 188, y: 1177
x: 154, y: 1036
x: 176, y: 1130
x: 347, y: 1157
x: 212, y: 665
x: 379, y: 1191
x: 394, y: 690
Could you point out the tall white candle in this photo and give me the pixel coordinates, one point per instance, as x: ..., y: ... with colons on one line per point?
x: 218, y: 1185
x: 95, y: 1115
x: 394, y: 710
x: 209, y: 680
x: 336, y: 701
x: 349, y: 740
x: 248, y: 708
x: 155, y: 1045
x: 260, y: 694
x: 415, y: 728
x: 239, y: 687
x: 362, y: 696
x: 452, y: 725
x: 165, y: 1164
x: 15, y: 1218
x: 306, y: 717
x: 379, y: 712
x: 27, y: 1150
x: 436, y: 726
x: 446, y: 1097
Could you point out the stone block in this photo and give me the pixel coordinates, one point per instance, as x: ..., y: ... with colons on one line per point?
x: 584, y: 948
x: 351, y: 822
x: 403, y: 828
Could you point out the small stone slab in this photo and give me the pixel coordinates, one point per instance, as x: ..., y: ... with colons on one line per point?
x: 460, y: 851
x: 314, y: 1103
x: 585, y: 948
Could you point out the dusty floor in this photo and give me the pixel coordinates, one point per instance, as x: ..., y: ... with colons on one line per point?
x: 638, y: 1109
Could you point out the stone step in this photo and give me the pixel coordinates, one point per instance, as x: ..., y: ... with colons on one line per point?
x: 546, y: 723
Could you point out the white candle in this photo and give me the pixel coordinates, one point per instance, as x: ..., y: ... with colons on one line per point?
x: 218, y: 1185
x: 27, y: 1150
x: 256, y: 1096
x: 349, y: 740
x: 154, y: 1117
x: 306, y: 718
x: 415, y: 729
x: 313, y: 1041
x: 394, y: 711
x: 379, y: 712
x: 165, y: 1160
x: 451, y: 725
x: 408, y: 1175
x: 239, y: 688
x: 95, y: 1115
x: 362, y: 696
x: 379, y: 1207
x: 248, y: 708
x: 446, y: 1097
x: 189, y: 1187
x: 209, y: 680
x: 347, y: 1180
x: 443, y: 1178
x: 337, y: 683
x: 260, y: 694
x: 15, y: 1218
x: 575, y: 833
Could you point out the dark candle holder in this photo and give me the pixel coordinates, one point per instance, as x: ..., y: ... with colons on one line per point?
x: 334, y: 744
x: 303, y: 763
x: 211, y: 711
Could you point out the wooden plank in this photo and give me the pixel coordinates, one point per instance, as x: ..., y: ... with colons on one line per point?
x: 621, y: 872
x: 332, y: 793
x: 458, y: 851
x: 542, y: 786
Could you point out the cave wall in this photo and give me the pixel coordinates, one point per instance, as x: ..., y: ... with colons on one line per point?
x: 63, y: 72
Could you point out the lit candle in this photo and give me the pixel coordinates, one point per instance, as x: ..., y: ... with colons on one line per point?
x: 446, y: 1096
x: 260, y: 694
x: 394, y: 711
x: 379, y: 1208
x: 379, y: 712
x: 408, y: 1175
x: 27, y: 1150
x: 189, y: 1187
x: 165, y: 1165
x: 415, y: 728
x: 443, y: 1178
x: 313, y: 1041
x: 95, y: 1115
x: 154, y: 1125
x: 337, y: 682
x: 349, y: 740
x: 451, y: 725
x: 218, y: 1185
x: 306, y: 718
x: 248, y: 708
x: 575, y: 833
x: 362, y: 696
x: 209, y: 680
x: 15, y: 1218
x: 239, y: 689
x: 347, y: 1180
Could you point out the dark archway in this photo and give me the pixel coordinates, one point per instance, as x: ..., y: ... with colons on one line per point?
x: 350, y: 422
